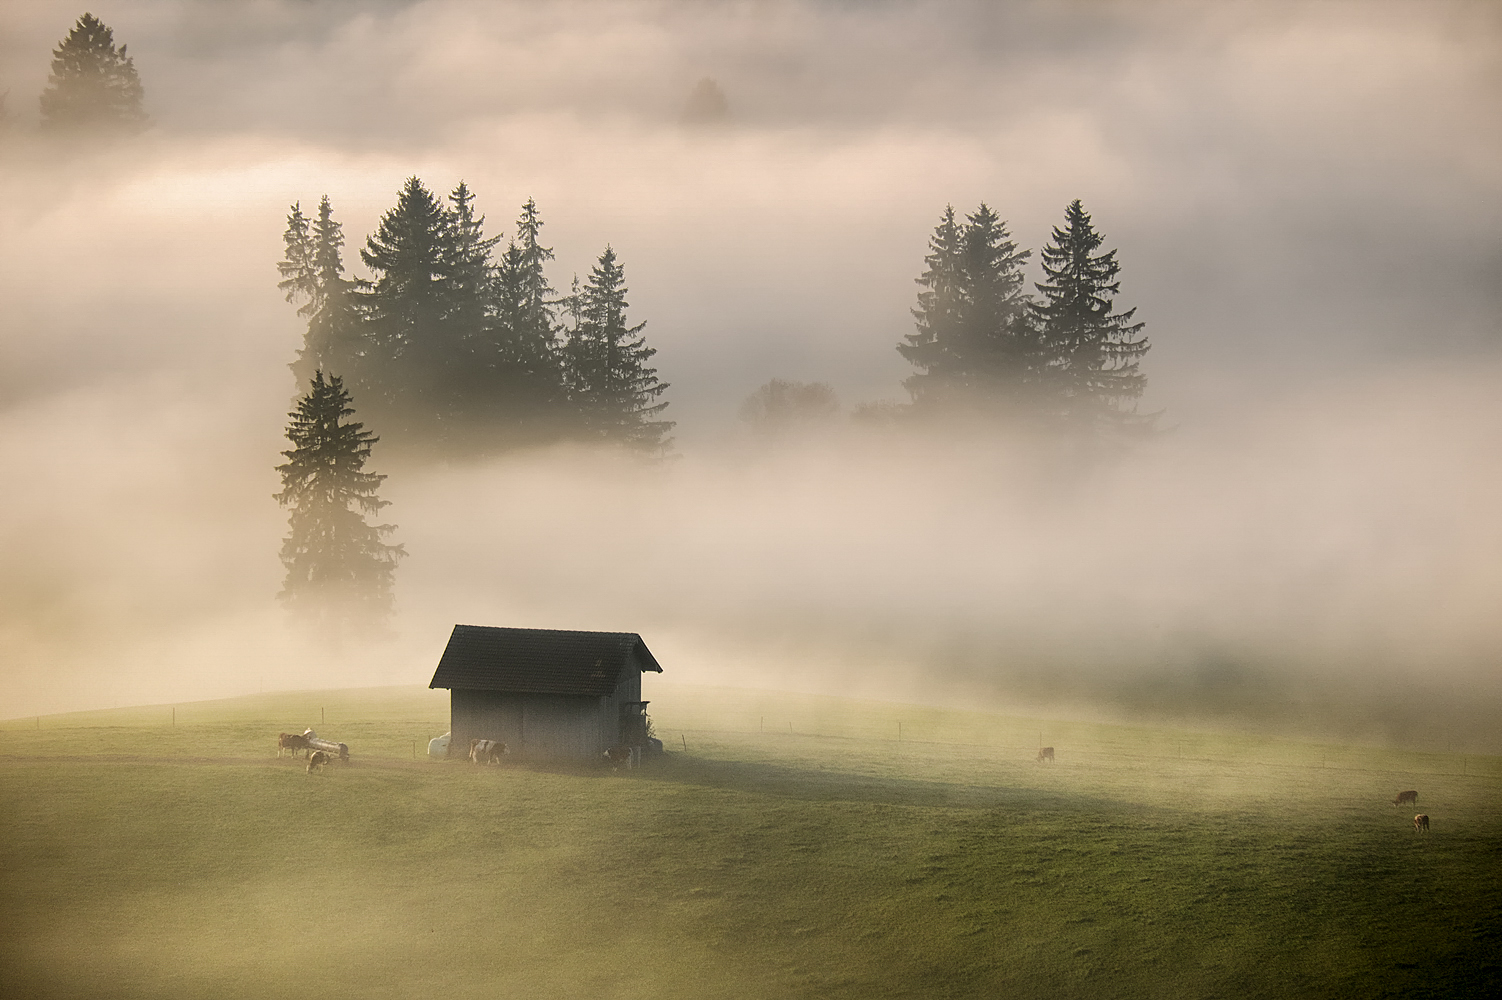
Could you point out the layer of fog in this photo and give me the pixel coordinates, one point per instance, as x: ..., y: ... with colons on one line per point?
x: 1305, y: 212
x: 1339, y: 545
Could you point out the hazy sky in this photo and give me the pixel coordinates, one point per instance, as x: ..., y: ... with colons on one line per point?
x: 1305, y: 200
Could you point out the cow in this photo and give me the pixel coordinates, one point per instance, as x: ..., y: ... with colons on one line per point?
x: 1421, y: 823
x: 623, y: 756
x: 317, y: 759
x: 487, y: 751
x: 1045, y: 754
x: 1409, y: 796
x: 291, y: 742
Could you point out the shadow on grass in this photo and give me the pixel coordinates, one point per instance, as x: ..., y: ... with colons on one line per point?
x: 825, y: 784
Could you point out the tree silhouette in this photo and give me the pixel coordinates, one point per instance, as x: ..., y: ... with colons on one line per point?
x: 527, y: 399
x: 340, y: 571
x: 781, y: 406
x: 414, y: 349
x: 93, y: 85
x: 313, y: 273
x: 974, y: 343
x: 609, y: 381
x: 1093, y: 351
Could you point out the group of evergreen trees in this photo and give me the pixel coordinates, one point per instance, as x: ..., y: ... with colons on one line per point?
x: 1064, y: 360
x: 454, y: 348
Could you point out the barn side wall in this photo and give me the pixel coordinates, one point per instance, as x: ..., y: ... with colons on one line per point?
x: 539, y: 726
x: 628, y: 690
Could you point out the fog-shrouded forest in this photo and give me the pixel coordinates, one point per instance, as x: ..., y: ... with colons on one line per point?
x: 750, y: 328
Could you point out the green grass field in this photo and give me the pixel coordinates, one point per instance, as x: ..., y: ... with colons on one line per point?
x: 789, y: 846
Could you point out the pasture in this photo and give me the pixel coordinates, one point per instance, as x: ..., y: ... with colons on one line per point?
x: 788, y: 846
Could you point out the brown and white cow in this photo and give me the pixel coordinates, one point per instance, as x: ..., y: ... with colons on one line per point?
x: 1045, y: 754
x: 1421, y: 822
x: 317, y: 759
x: 291, y: 742
x: 487, y: 751
x: 623, y: 756
x: 1408, y: 797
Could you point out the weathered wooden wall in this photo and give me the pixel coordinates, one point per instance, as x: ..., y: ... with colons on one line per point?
x: 539, y: 726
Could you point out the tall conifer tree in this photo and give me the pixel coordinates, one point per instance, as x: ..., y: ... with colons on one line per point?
x: 468, y: 279
x: 340, y: 570
x: 973, y: 342
x: 93, y: 85
x: 528, y: 350
x: 415, y: 352
x: 313, y: 273
x: 609, y: 382
x: 1093, y: 350
x: 933, y: 346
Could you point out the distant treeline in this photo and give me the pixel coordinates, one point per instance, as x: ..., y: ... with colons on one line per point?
x: 454, y: 346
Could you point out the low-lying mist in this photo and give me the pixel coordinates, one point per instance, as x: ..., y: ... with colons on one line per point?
x: 1325, y: 563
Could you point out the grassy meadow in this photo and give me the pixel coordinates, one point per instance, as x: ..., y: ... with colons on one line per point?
x: 787, y: 846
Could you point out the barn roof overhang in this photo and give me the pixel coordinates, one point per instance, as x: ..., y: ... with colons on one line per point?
x: 539, y: 661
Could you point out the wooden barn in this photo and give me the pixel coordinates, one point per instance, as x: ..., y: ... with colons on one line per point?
x: 545, y: 693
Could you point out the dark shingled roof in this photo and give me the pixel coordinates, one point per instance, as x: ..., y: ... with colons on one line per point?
x: 539, y: 660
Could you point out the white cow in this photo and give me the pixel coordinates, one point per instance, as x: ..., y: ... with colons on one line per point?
x: 487, y: 751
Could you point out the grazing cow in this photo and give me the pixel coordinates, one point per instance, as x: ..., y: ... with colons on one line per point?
x: 623, y: 756
x: 1421, y: 822
x: 1409, y: 797
x: 1045, y: 754
x: 317, y: 759
x: 291, y: 742
x: 487, y: 751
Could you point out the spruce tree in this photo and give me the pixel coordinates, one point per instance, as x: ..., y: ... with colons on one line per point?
x: 934, y: 347
x: 609, y: 382
x: 530, y: 390
x: 473, y: 375
x: 468, y: 280
x: 92, y: 85
x: 1092, y: 350
x: 340, y: 570
x: 296, y: 266
x: 997, y: 340
x: 313, y: 273
x: 974, y: 343
x: 415, y: 352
